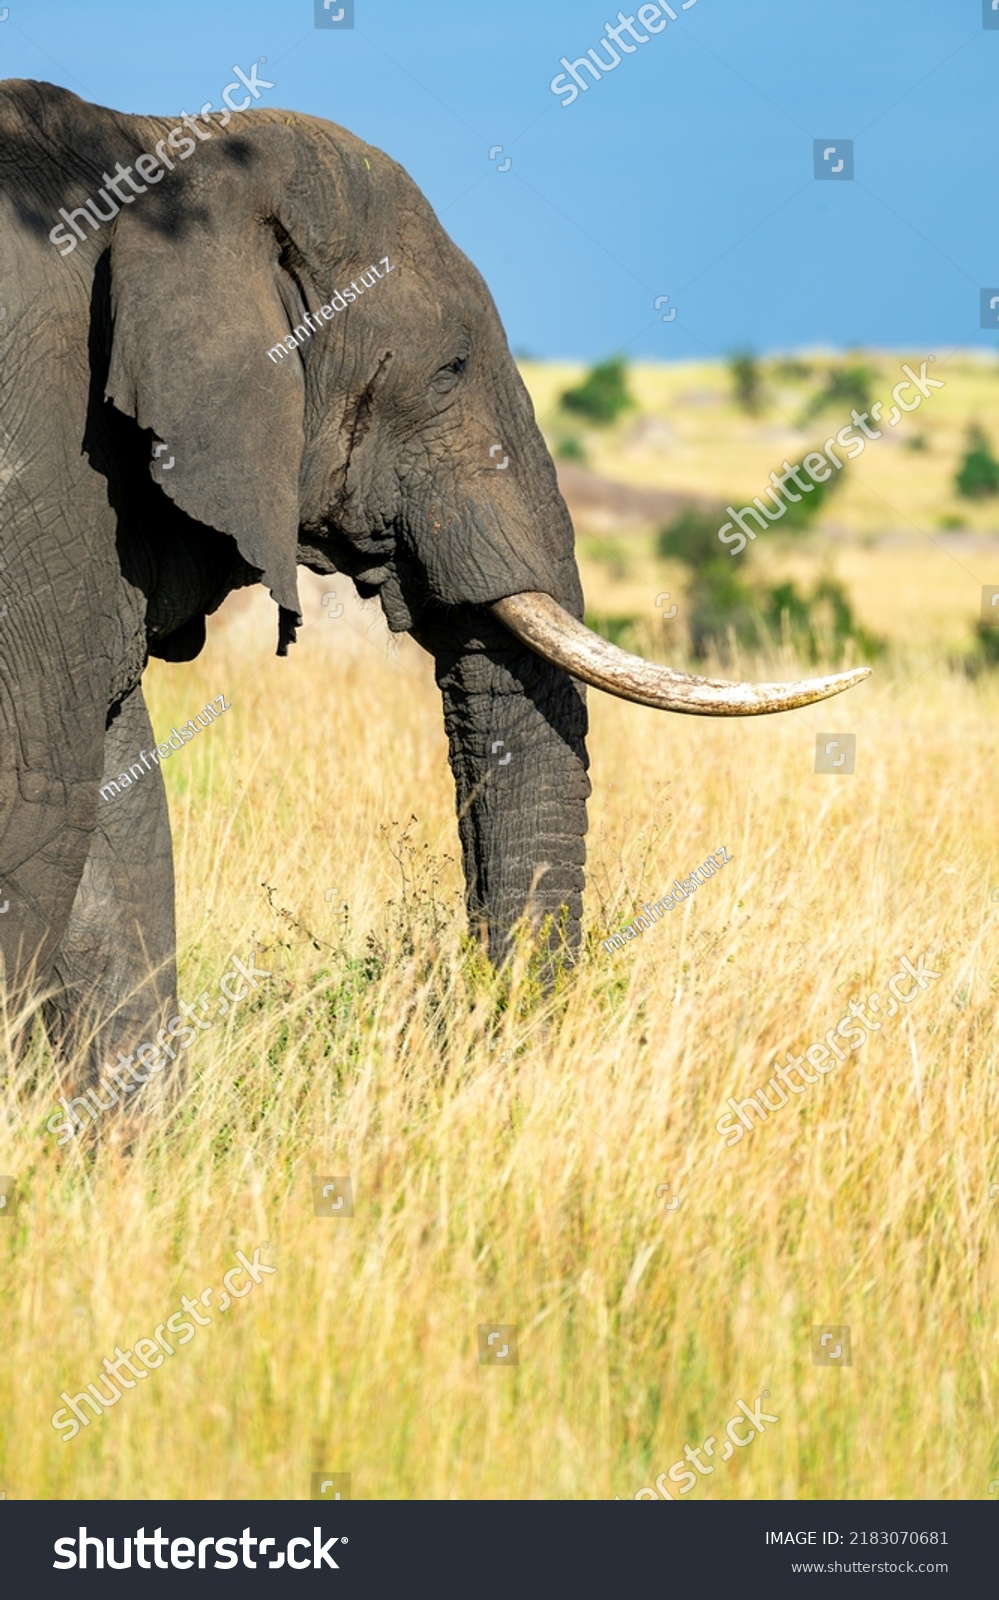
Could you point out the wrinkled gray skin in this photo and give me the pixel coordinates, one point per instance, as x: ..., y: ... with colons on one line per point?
x: 366, y: 452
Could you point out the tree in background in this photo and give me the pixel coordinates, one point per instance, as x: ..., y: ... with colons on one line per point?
x: 802, y: 514
x: 844, y: 388
x: 569, y: 448
x: 818, y: 624
x: 603, y: 393
x: 692, y: 538
x: 747, y: 381
x: 978, y: 475
x: 718, y: 597
x: 722, y: 603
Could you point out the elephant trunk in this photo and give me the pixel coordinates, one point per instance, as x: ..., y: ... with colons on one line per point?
x: 516, y: 730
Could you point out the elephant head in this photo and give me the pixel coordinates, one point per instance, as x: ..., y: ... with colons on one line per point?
x: 333, y: 386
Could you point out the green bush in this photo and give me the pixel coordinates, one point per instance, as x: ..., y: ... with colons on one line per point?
x: 692, y: 537
x: 570, y: 449
x: 801, y: 514
x: 818, y: 624
x: 619, y: 630
x: 718, y: 598
x: 844, y: 387
x: 603, y: 393
x: 987, y: 638
x: 978, y: 475
x: 747, y: 381
x: 721, y: 602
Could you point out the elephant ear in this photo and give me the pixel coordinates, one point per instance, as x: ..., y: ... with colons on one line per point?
x: 198, y: 294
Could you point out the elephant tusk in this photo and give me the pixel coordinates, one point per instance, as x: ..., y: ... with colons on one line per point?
x: 540, y: 622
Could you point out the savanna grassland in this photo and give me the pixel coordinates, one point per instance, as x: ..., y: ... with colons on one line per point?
x: 510, y: 1157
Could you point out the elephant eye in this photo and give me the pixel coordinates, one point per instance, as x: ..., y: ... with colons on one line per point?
x: 447, y: 377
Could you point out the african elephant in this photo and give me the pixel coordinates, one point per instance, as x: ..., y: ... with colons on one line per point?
x: 213, y: 371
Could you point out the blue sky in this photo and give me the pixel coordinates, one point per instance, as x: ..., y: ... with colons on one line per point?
x: 686, y: 171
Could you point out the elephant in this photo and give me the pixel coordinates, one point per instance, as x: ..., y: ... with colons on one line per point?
x: 220, y: 363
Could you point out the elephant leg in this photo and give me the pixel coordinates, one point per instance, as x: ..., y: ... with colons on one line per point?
x: 115, y: 965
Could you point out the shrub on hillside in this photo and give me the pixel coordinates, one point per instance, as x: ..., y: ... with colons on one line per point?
x: 692, y: 537
x: 570, y: 449
x: 819, y: 624
x: 603, y: 393
x: 845, y: 388
x: 747, y: 381
x: 802, y: 513
x: 978, y: 475
x: 722, y: 603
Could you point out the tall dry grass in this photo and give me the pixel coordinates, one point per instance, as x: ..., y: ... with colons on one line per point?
x: 505, y: 1161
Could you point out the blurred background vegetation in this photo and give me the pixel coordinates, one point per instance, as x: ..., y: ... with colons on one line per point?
x: 651, y: 456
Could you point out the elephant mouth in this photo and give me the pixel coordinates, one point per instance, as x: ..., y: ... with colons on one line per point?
x: 539, y: 622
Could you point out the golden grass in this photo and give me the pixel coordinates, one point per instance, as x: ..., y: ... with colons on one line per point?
x: 506, y: 1161
x: 523, y: 1190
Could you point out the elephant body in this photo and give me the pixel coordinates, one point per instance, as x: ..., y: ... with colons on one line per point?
x: 231, y: 346
x: 157, y: 455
